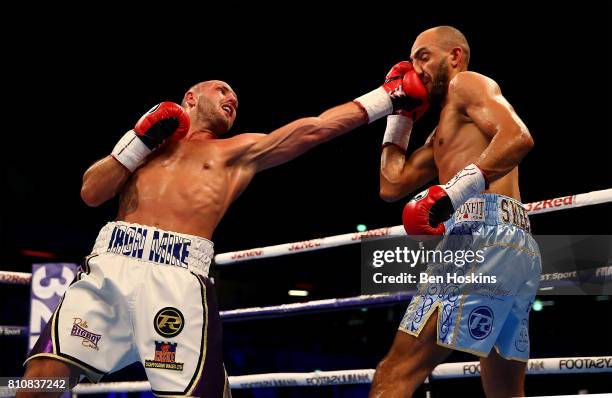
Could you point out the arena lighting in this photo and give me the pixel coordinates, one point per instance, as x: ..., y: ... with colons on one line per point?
x: 37, y: 253
x: 304, y: 286
x: 537, y: 305
x: 298, y: 293
x: 361, y: 228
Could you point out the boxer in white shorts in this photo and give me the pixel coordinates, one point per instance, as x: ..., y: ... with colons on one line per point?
x: 129, y: 303
x: 144, y: 293
x: 474, y: 152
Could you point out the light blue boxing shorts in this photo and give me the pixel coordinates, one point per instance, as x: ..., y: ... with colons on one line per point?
x: 477, y: 317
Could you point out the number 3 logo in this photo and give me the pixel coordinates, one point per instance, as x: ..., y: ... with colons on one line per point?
x: 44, y: 287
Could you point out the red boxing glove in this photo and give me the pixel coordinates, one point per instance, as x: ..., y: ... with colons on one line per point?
x: 166, y: 120
x: 402, y: 90
x: 426, y: 212
x: 407, y: 92
x: 411, y: 106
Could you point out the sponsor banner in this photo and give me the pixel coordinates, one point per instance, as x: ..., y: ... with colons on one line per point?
x: 313, y: 379
x: 13, y: 330
x: 15, y: 278
x: 356, y: 376
x: 550, y: 204
x: 49, y: 282
x: 534, y: 367
x: 305, y: 246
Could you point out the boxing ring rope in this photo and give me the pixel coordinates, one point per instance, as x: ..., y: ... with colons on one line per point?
x: 539, y: 366
x: 273, y: 311
x: 241, y: 314
x: 357, y: 376
x: 542, y: 206
x: 15, y: 278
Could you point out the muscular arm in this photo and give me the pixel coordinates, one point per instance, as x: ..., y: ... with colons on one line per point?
x: 295, y: 138
x: 481, y: 99
x: 103, y: 180
x: 400, y: 176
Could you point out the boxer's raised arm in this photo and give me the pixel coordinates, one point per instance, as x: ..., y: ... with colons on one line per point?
x: 105, y: 178
x: 401, y: 175
x: 481, y: 99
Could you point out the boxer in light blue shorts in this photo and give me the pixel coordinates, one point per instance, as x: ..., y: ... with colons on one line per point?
x: 474, y: 153
x: 478, y: 317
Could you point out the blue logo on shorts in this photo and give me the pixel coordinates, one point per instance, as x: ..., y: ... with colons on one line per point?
x: 480, y: 322
x: 522, y: 341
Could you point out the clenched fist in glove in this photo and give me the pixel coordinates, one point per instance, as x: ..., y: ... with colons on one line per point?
x: 402, y: 91
x: 166, y: 120
x: 428, y: 210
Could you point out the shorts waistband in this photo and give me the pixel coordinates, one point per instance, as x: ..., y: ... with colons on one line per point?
x: 490, y: 209
x: 154, y: 245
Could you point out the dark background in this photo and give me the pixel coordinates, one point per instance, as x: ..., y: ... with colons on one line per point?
x: 75, y: 85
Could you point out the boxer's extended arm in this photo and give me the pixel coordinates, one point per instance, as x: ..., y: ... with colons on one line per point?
x: 399, y: 176
x: 481, y: 99
x: 103, y: 180
x: 295, y: 138
x: 402, y: 90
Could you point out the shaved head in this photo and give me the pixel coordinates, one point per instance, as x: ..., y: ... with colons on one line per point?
x: 438, y: 55
x: 451, y: 37
x: 197, y: 88
x: 211, y: 105
x: 446, y: 37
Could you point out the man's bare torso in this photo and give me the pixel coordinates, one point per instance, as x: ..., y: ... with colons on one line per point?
x: 187, y: 186
x: 458, y: 142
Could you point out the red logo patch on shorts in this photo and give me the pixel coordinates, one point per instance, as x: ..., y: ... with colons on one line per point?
x: 165, y: 357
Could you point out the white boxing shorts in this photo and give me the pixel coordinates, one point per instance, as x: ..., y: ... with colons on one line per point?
x: 142, y: 295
